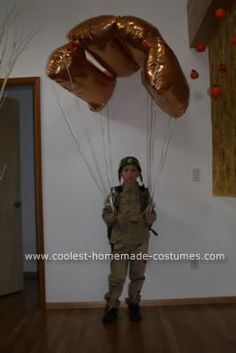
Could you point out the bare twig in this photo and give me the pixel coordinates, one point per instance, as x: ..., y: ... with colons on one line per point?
x: 11, y: 48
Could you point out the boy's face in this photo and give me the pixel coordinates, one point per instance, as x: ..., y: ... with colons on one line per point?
x: 130, y: 174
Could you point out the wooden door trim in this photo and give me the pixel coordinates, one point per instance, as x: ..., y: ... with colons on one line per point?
x: 35, y: 83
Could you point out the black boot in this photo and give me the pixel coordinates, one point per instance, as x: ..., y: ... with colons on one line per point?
x: 134, y: 312
x: 110, y: 315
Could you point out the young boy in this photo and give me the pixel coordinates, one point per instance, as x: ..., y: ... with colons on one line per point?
x: 129, y: 217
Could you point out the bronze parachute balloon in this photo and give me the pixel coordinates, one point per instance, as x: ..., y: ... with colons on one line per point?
x: 122, y: 46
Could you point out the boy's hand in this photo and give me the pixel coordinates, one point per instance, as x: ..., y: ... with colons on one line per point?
x: 150, y: 218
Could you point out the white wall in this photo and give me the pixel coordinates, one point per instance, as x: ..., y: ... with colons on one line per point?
x: 190, y: 218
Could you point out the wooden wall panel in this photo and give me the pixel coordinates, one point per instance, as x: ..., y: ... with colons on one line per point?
x: 202, y: 24
x: 224, y: 108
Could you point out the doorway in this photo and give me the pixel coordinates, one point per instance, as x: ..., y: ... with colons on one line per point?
x: 24, y: 95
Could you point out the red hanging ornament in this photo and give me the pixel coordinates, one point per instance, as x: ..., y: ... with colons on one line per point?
x: 215, y: 91
x: 222, y: 68
x: 233, y: 39
x: 200, y: 47
x: 220, y: 13
x: 194, y: 74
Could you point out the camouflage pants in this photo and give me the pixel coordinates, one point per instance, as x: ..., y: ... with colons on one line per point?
x: 119, y: 269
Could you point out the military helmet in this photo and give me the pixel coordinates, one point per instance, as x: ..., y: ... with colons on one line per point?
x: 130, y: 160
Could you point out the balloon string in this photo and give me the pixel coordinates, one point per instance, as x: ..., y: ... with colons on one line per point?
x: 148, y: 143
x: 93, y: 153
x: 90, y: 144
x: 68, y: 123
x: 147, y: 132
x: 152, y: 135
x: 106, y: 139
x: 105, y: 153
x: 152, y: 140
x: 109, y: 144
x: 163, y: 155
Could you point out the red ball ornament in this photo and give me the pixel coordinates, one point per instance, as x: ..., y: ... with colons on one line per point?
x: 200, y: 47
x: 220, y: 13
x: 222, y: 68
x: 194, y: 74
x: 233, y: 39
x: 216, y: 91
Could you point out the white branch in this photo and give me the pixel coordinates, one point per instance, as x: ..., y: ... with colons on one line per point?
x: 10, y: 48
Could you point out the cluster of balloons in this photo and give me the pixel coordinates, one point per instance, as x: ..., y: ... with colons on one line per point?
x: 122, y: 45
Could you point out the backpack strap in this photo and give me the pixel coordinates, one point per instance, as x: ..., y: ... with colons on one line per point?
x: 115, y: 195
x: 144, y: 197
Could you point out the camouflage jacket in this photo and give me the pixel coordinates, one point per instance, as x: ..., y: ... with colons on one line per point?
x: 112, y: 204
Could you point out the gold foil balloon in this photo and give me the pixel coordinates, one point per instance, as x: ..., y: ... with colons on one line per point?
x: 163, y: 78
x: 121, y: 45
x: 98, y: 36
x: 161, y: 73
x: 69, y: 67
x: 138, y: 35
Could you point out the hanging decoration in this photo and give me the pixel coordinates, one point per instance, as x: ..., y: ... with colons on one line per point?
x: 200, y: 47
x: 215, y: 91
x: 233, y: 39
x: 122, y: 45
x: 222, y: 68
x: 220, y: 13
x: 194, y: 74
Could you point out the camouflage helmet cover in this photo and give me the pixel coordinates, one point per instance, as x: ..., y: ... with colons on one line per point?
x: 130, y: 160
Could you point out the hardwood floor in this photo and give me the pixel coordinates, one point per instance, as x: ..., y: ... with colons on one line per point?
x: 25, y: 328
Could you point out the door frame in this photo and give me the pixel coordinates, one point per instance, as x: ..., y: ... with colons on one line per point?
x: 34, y: 82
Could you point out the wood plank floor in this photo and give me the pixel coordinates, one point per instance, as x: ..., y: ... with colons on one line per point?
x: 25, y: 328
